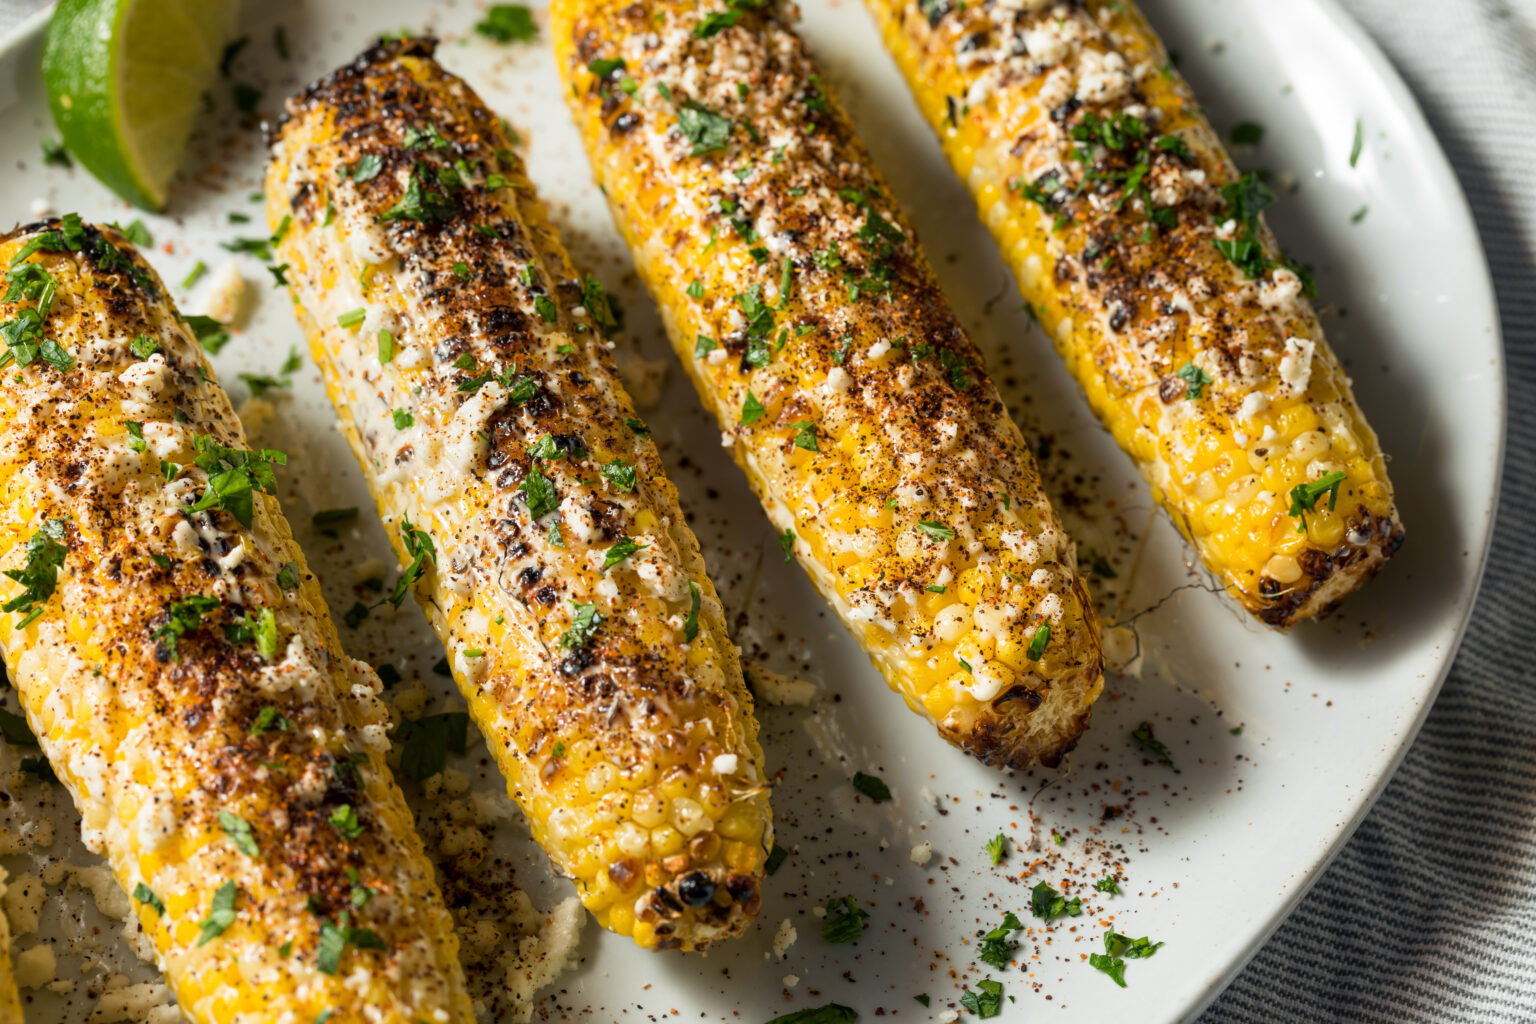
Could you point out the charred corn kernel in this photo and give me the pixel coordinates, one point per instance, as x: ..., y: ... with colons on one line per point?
x: 849, y: 392
x: 179, y: 667
x: 1143, y: 254
x: 519, y: 486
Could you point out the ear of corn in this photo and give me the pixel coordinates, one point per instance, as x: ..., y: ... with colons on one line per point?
x: 797, y: 297
x: 1143, y: 253
x: 525, y: 497
x: 179, y: 668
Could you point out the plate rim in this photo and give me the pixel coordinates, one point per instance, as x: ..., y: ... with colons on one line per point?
x: 1438, y: 163
x: 29, y: 33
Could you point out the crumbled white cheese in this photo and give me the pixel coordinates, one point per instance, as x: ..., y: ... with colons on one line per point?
x: 726, y: 764
x: 784, y: 938
x: 1296, y: 364
x: 223, y: 297
x: 35, y: 967
x: 538, y: 959
x: 1253, y: 403
x: 138, y: 1003
x: 780, y: 690
x: 23, y: 901
x: 921, y: 854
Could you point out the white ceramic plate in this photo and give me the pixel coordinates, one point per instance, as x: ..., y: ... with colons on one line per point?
x: 1212, y: 856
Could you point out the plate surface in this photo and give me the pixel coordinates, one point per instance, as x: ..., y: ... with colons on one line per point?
x: 1280, y: 743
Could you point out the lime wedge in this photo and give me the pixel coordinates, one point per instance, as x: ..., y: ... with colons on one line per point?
x: 125, y: 80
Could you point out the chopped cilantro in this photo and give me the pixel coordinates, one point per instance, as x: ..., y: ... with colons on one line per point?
x: 787, y: 545
x: 210, y: 334
x: 234, y: 477
x: 16, y: 730
x: 269, y: 719
x: 145, y: 895
x: 427, y: 741
x: 985, y: 1000
x: 334, y: 938
x: 776, y: 858
x: 622, y: 549
x: 844, y: 921
x: 425, y: 200
x: 418, y: 544
x: 707, y: 130
x: 1247, y: 133
x: 1047, y: 904
x: 1142, y: 734
x: 183, y: 617
x: 259, y: 628
x: 996, y: 944
x: 367, y: 167
x: 1196, y: 378
x: 997, y: 848
x: 872, y: 786
x: 620, y: 474
x: 1246, y: 198
x: 831, y: 1013
x: 1038, y: 641
x: 1107, y: 884
x: 538, y: 494
x: 938, y: 531
x: 691, y: 623
x: 221, y: 914
x: 584, y: 622
x: 239, y: 832
x: 288, y: 576
x: 344, y: 820
x: 39, y: 575
x: 1116, y: 944
x: 1304, y: 497
x: 423, y: 136
x: 55, y: 153
x: 507, y: 23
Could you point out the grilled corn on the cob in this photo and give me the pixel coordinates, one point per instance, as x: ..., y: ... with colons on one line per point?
x: 181, y: 672
x: 808, y: 318
x: 467, y: 361
x: 1143, y: 253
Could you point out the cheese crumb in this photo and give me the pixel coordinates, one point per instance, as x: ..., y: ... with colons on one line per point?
x: 785, y: 937
x: 223, y: 297
x: 35, y: 967
x: 921, y: 854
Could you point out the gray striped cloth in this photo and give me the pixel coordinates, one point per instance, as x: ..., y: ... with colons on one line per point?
x: 1429, y: 914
